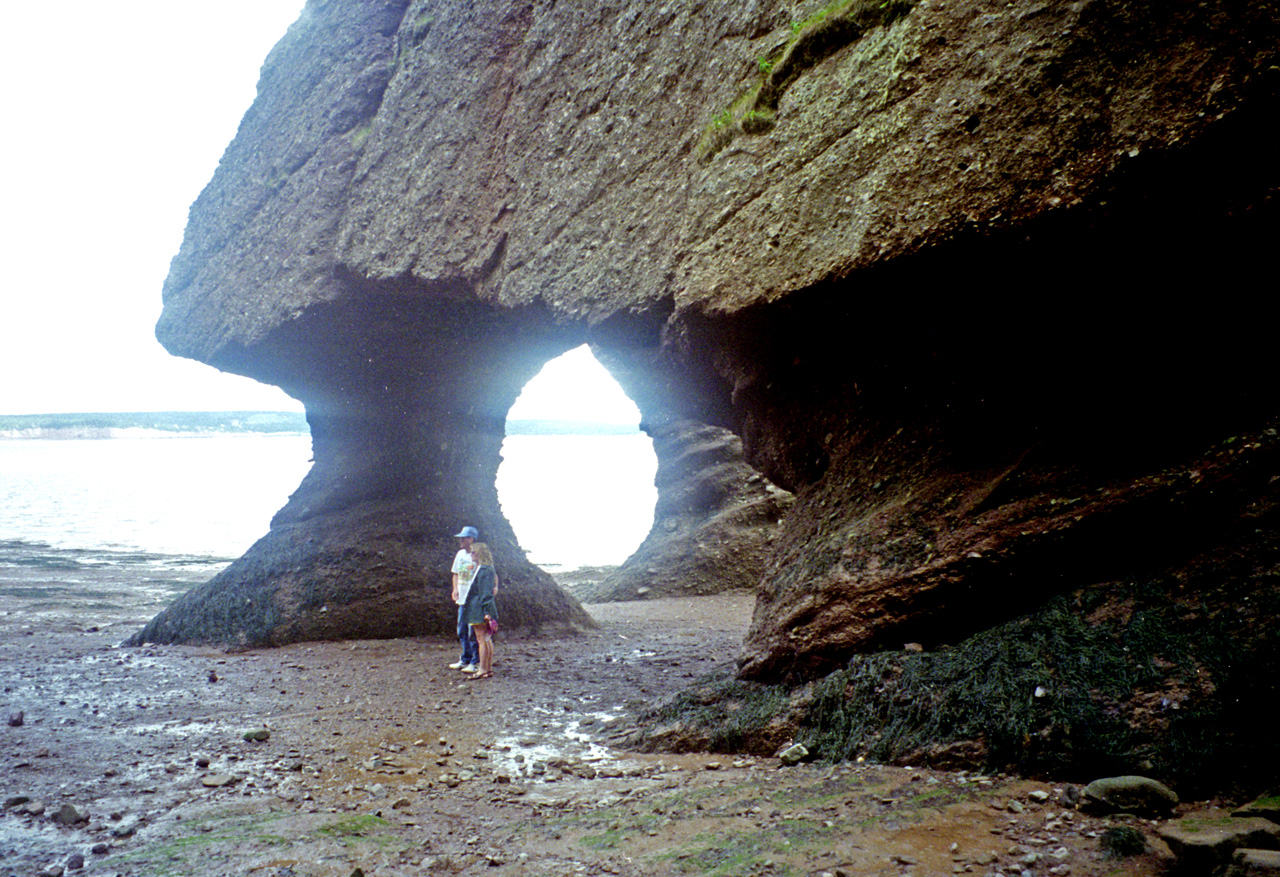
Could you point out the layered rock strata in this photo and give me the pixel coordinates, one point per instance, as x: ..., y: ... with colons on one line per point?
x: 972, y: 279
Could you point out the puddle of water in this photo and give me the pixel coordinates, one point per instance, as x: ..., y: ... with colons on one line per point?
x: 526, y: 752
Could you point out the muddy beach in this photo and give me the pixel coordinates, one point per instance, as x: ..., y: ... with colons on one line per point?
x: 380, y: 760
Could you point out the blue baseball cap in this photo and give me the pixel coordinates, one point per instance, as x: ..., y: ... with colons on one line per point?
x: 468, y: 533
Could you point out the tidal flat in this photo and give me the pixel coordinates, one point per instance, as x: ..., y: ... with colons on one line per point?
x: 380, y: 759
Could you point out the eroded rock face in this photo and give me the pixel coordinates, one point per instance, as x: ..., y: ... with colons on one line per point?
x: 972, y: 279
x: 714, y: 523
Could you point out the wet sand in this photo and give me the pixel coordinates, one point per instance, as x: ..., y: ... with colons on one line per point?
x: 381, y: 758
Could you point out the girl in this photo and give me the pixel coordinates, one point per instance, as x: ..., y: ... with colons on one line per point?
x: 480, y: 606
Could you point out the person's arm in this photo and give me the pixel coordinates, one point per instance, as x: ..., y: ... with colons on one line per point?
x: 455, y: 587
x: 495, y: 583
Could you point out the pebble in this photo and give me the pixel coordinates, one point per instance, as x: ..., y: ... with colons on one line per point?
x: 16, y: 719
x: 69, y: 814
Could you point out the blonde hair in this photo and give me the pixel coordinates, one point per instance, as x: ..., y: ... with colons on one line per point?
x: 481, y: 554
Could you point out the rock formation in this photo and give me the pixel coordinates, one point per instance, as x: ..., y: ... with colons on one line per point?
x: 982, y: 283
x: 714, y: 525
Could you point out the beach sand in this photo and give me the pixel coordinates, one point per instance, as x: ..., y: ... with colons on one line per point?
x: 380, y: 758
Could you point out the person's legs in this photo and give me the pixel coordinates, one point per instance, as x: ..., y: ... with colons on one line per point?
x: 470, y: 656
x: 486, y: 649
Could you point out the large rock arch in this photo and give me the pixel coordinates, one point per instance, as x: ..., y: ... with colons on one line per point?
x: 917, y: 257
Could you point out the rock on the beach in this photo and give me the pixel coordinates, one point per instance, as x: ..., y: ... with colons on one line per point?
x: 128, y: 825
x: 1258, y: 861
x: 1267, y: 808
x: 16, y: 719
x: 69, y: 814
x: 794, y: 754
x: 1135, y: 793
x: 1208, y: 838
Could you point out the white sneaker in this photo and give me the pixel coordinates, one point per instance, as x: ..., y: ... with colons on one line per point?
x: 457, y: 665
x: 471, y: 668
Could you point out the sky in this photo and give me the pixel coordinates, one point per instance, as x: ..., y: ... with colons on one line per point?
x: 116, y: 116
x: 574, y: 386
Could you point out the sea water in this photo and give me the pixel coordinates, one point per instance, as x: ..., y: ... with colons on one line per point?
x: 573, y: 500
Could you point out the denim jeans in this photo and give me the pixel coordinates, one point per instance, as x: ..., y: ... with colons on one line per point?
x: 467, y: 637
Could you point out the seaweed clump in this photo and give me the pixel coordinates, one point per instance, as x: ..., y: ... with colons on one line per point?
x: 1118, y: 678
x: 1161, y: 676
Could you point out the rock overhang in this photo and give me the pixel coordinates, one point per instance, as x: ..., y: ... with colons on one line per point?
x: 538, y: 169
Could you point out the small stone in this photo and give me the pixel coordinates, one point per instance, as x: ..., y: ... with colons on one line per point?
x: 100, y: 849
x: 126, y: 828
x: 1016, y: 807
x: 217, y: 780
x: 712, y: 765
x: 16, y: 719
x: 257, y: 735
x: 1039, y: 795
x: 402, y: 804
x: 15, y: 801
x: 75, y: 862
x: 793, y: 755
x: 69, y: 814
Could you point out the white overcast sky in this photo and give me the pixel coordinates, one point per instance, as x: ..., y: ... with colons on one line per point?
x: 117, y: 115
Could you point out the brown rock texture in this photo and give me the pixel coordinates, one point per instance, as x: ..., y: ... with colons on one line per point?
x: 714, y: 523
x: 981, y: 283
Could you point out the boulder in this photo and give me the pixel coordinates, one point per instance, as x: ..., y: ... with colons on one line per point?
x: 1258, y: 861
x: 1267, y: 807
x: 1208, y: 838
x: 1135, y: 794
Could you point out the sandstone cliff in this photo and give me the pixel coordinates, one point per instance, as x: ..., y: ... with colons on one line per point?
x: 982, y: 283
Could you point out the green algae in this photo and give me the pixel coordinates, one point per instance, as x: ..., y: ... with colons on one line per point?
x: 813, y: 39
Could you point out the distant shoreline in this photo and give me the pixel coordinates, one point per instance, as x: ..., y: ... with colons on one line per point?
x: 102, y: 433
x: 152, y: 424
x: 204, y: 424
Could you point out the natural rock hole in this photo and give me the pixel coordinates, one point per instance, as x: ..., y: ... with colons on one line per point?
x: 576, y: 480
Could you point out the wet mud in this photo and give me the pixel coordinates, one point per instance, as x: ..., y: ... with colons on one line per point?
x: 378, y: 757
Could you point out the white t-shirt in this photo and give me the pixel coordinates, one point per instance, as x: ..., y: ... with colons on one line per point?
x: 465, y: 568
